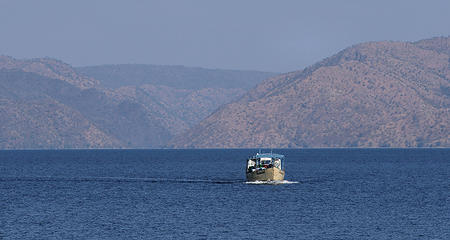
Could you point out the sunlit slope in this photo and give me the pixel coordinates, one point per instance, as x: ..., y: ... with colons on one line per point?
x: 376, y: 94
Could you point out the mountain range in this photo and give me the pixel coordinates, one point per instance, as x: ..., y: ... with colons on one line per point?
x: 45, y: 103
x: 374, y: 94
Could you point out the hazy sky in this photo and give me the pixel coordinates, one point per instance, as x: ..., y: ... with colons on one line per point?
x: 276, y: 35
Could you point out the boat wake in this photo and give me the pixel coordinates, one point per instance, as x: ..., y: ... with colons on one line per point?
x: 272, y: 182
x: 117, y: 179
x: 133, y: 179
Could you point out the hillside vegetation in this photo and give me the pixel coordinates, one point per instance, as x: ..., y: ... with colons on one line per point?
x: 376, y: 94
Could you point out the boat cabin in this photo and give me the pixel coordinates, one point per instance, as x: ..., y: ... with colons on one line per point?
x: 262, y: 161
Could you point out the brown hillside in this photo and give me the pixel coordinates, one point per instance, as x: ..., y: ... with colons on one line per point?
x: 378, y: 94
x: 42, y: 108
x: 32, y: 119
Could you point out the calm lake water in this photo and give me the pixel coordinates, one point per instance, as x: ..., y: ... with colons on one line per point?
x: 202, y: 194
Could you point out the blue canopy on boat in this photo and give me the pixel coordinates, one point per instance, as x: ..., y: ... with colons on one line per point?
x: 268, y: 155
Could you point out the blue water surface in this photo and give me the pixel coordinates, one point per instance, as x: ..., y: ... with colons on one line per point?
x: 202, y: 194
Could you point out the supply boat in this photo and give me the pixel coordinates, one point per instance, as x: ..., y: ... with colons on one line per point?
x: 265, y: 167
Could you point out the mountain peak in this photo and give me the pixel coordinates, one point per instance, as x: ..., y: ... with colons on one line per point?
x: 48, y: 67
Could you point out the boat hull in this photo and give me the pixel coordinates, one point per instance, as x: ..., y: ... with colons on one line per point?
x: 270, y: 174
